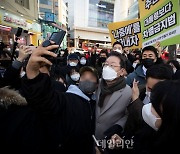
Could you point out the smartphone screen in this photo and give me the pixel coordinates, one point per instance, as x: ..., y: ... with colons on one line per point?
x: 53, y: 36
x: 57, y: 37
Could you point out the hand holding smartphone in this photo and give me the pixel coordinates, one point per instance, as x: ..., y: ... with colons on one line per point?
x: 57, y: 38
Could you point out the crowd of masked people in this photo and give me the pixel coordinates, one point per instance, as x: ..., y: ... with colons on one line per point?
x: 117, y: 102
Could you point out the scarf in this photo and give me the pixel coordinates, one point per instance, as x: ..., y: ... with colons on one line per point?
x: 107, y: 90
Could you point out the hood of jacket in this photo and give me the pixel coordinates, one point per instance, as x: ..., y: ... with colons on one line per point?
x: 10, y: 96
x: 75, y: 90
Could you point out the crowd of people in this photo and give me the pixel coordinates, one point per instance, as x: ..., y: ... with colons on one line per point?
x: 113, y: 102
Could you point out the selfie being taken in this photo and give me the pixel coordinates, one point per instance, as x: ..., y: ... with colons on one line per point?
x: 89, y: 76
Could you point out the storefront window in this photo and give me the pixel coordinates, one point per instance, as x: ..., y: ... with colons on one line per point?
x: 100, y: 13
x: 5, y: 36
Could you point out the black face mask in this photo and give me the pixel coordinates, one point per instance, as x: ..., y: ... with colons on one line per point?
x: 87, y: 87
x: 148, y: 62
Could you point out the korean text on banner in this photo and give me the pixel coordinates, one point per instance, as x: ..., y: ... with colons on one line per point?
x: 126, y: 32
x: 160, y: 21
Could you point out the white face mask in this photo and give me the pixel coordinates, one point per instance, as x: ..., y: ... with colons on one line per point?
x: 148, y: 117
x: 109, y: 73
x: 75, y: 77
x: 83, y: 61
x: 120, y: 51
x: 73, y: 64
x: 134, y: 65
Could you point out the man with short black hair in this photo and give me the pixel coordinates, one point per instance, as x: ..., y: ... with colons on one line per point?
x: 102, y: 58
x: 117, y: 46
x: 73, y: 59
x: 149, y: 58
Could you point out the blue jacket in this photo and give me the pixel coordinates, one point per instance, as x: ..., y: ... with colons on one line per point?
x: 137, y: 74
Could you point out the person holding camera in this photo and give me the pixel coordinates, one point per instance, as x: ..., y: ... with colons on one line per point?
x: 68, y: 117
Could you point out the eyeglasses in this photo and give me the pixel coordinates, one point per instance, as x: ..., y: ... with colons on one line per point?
x: 110, y: 65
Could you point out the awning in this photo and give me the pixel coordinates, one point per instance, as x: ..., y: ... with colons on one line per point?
x: 5, y: 28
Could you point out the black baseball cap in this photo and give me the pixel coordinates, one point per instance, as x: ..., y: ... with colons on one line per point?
x: 73, y: 56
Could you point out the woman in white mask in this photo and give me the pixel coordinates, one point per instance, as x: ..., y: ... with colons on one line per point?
x: 164, y: 116
x: 72, y: 78
x: 151, y: 117
x: 75, y: 76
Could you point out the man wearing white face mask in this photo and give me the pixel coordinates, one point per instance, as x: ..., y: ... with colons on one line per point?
x: 117, y: 46
x: 113, y: 96
x: 72, y: 61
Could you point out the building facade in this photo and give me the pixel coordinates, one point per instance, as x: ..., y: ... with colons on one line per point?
x: 63, y: 18
x: 130, y: 10
x: 23, y: 14
x: 51, y: 14
x: 88, y: 21
x: 48, y: 6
